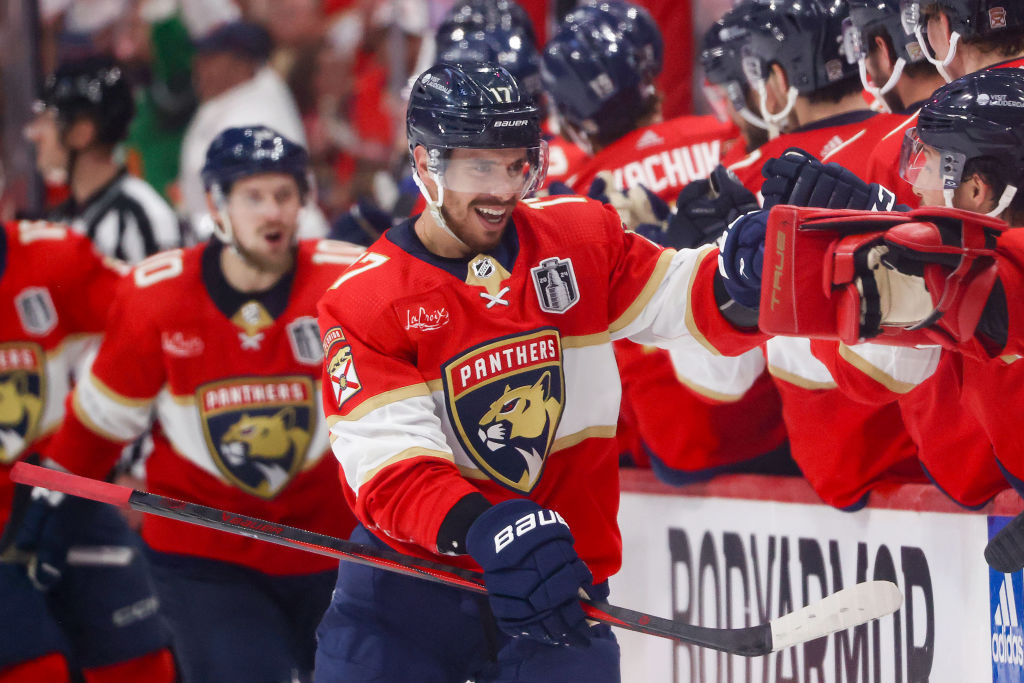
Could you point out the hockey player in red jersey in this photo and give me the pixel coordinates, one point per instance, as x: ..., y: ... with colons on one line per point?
x: 60, y: 617
x: 220, y: 343
x: 963, y: 36
x: 619, y: 123
x: 473, y: 395
x: 966, y: 154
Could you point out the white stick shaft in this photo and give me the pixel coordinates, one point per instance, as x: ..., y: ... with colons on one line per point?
x: 837, y: 612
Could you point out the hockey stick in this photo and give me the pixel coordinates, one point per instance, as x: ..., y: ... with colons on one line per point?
x: 844, y: 609
x: 1005, y: 552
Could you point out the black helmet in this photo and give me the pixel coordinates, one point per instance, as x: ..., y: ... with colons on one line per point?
x: 475, y: 105
x: 250, y: 150
x: 886, y: 17
x: 804, y: 37
x: 511, y: 50
x: 970, y: 18
x: 632, y: 21
x: 593, y: 74
x: 484, y: 15
x: 978, y: 115
x: 94, y: 87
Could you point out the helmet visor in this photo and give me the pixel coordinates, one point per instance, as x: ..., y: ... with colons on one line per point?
x: 929, y: 168
x: 717, y: 99
x: 516, y: 171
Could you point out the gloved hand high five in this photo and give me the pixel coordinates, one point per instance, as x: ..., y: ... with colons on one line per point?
x: 742, y: 256
x: 798, y: 178
x: 636, y: 206
x: 705, y: 208
x: 532, y: 572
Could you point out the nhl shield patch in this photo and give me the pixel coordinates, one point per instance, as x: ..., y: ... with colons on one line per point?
x: 22, y: 397
x: 258, y: 429
x: 504, y: 399
x: 555, y: 284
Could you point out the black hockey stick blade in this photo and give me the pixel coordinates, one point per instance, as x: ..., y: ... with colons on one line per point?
x: 841, y: 610
x: 1005, y: 552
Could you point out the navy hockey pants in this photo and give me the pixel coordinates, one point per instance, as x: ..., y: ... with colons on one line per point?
x: 382, y: 626
x: 232, y: 623
x: 104, y: 610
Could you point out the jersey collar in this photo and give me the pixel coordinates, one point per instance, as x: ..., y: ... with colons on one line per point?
x: 405, y: 238
x: 227, y: 299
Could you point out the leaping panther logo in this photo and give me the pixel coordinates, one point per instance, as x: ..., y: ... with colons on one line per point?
x: 267, y: 443
x: 505, y: 399
x: 20, y: 409
x: 521, y: 419
x: 258, y: 430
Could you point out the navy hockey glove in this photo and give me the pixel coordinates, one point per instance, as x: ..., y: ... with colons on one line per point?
x: 557, y: 188
x: 799, y: 179
x: 45, y: 535
x: 639, y: 208
x: 532, y: 572
x: 704, y: 209
x: 741, y: 258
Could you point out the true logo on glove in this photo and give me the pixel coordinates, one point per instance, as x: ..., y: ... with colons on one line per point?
x: 525, y: 525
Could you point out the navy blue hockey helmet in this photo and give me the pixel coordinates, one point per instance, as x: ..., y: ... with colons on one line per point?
x: 721, y: 55
x: 802, y: 36
x: 477, y: 106
x: 593, y: 75
x: 632, y: 21
x: 974, y: 117
x: 251, y: 150
x: 969, y: 18
x: 94, y: 87
x: 511, y: 50
x: 868, y: 17
x: 484, y: 15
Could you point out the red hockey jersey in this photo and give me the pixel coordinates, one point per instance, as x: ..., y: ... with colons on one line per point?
x: 664, y: 157
x: 952, y: 446
x: 883, y: 160
x: 232, y: 381
x: 820, y: 139
x: 497, y: 376
x: 55, y: 290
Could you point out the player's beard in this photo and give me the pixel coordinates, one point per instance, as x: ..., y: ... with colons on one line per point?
x: 275, y: 264
x: 468, y: 229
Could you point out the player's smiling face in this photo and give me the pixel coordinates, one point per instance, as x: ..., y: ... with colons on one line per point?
x: 481, y: 189
x: 264, y: 213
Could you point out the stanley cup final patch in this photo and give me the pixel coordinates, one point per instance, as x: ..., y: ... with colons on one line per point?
x: 505, y: 399
x: 555, y: 283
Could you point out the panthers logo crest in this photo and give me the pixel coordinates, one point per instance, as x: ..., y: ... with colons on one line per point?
x: 505, y: 400
x: 22, y: 385
x: 258, y: 430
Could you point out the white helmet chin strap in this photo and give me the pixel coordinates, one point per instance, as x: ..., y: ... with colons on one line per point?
x: 774, y: 121
x: 753, y: 119
x: 1004, y: 201
x: 435, y: 207
x: 876, y: 92
x: 222, y: 228
x: 940, y: 65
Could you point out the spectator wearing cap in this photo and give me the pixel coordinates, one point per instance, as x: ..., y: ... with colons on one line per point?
x: 235, y: 87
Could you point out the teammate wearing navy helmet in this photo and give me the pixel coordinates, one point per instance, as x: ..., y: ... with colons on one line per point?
x: 219, y: 344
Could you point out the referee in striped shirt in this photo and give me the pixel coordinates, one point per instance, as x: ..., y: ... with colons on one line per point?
x: 86, y: 108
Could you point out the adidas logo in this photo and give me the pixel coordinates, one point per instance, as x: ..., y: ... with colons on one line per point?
x: 1007, y: 636
x: 1006, y: 610
x: 649, y: 139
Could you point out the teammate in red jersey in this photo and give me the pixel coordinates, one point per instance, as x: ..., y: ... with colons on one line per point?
x: 965, y: 153
x: 62, y: 616
x: 706, y: 436
x: 815, y: 95
x: 473, y: 396
x: 963, y: 36
x: 220, y: 343
x: 619, y: 123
